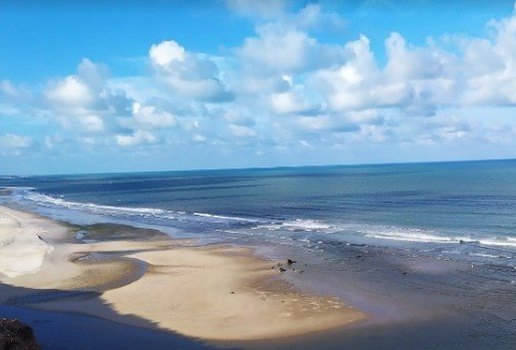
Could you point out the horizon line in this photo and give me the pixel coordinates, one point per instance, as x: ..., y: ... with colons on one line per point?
x: 265, y: 167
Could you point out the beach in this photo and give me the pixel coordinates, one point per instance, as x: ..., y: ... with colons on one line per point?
x: 143, y: 278
x: 386, y: 257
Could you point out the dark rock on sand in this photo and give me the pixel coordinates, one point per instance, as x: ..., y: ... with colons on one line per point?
x: 290, y: 262
x: 15, y: 335
x: 281, y: 269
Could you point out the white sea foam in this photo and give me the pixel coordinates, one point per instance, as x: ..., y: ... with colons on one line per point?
x: 96, y: 208
x: 408, y: 235
x: 42, y: 199
x: 307, y: 225
x: 418, y: 235
x: 299, y: 225
x: 223, y: 217
x: 498, y: 241
x: 482, y: 255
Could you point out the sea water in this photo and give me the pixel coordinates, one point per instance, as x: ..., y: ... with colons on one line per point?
x: 466, y: 208
x: 403, y: 242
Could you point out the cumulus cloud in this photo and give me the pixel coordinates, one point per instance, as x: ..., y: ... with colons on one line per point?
x: 167, y: 52
x: 80, y: 92
x: 189, y: 74
x: 292, y: 102
x: 297, y: 86
x: 70, y: 92
x: 414, y: 80
x: 285, y: 87
x: 286, y: 50
x: 86, y: 103
x: 148, y: 117
x: 490, y: 65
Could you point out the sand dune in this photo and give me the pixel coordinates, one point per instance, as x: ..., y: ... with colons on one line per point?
x: 21, y: 250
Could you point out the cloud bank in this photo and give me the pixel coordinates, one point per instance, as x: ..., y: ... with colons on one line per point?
x: 284, y: 91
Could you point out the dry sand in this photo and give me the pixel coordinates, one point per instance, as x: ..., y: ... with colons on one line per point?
x: 213, y: 292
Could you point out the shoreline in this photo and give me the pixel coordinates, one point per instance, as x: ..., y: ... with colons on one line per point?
x: 213, y: 293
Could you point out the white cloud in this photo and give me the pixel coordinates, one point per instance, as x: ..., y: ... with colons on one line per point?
x: 81, y: 94
x: 93, y: 74
x: 279, y: 52
x: 12, y: 144
x: 325, y: 123
x: 285, y: 50
x: 149, y: 117
x: 85, y: 102
x: 70, y: 91
x: 285, y: 87
x: 241, y: 131
x: 366, y: 116
x: 139, y: 137
x: 15, y: 99
x: 7, y: 88
x: 198, y: 138
x: 165, y: 53
x: 490, y: 65
x: 92, y: 123
x: 192, y: 75
x: 414, y: 80
x: 291, y: 103
x: 419, y: 63
x: 312, y: 16
x: 357, y: 83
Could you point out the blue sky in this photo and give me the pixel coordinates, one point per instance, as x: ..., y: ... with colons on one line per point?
x: 101, y: 86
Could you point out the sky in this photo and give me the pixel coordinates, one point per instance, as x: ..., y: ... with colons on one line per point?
x: 113, y: 86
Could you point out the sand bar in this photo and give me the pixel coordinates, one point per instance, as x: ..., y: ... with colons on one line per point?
x: 212, y: 292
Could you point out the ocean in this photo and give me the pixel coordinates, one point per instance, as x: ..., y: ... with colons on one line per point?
x: 429, y: 247
x: 468, y: 208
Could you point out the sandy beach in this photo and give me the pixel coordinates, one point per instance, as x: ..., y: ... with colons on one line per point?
x: 143, y: 278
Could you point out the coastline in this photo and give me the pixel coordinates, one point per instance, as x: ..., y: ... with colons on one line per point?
x: 143, y: 278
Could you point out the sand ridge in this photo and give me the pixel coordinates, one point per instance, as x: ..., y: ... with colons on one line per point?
x: 22, y: 250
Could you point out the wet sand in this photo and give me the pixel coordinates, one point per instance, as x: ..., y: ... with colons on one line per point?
x: 145, y: 279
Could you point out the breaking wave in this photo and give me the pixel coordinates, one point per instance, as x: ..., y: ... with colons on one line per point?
x: 288, y: 226
x: 49, y: 201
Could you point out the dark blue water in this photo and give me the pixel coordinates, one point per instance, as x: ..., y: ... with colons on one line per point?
x: 465, y: 208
